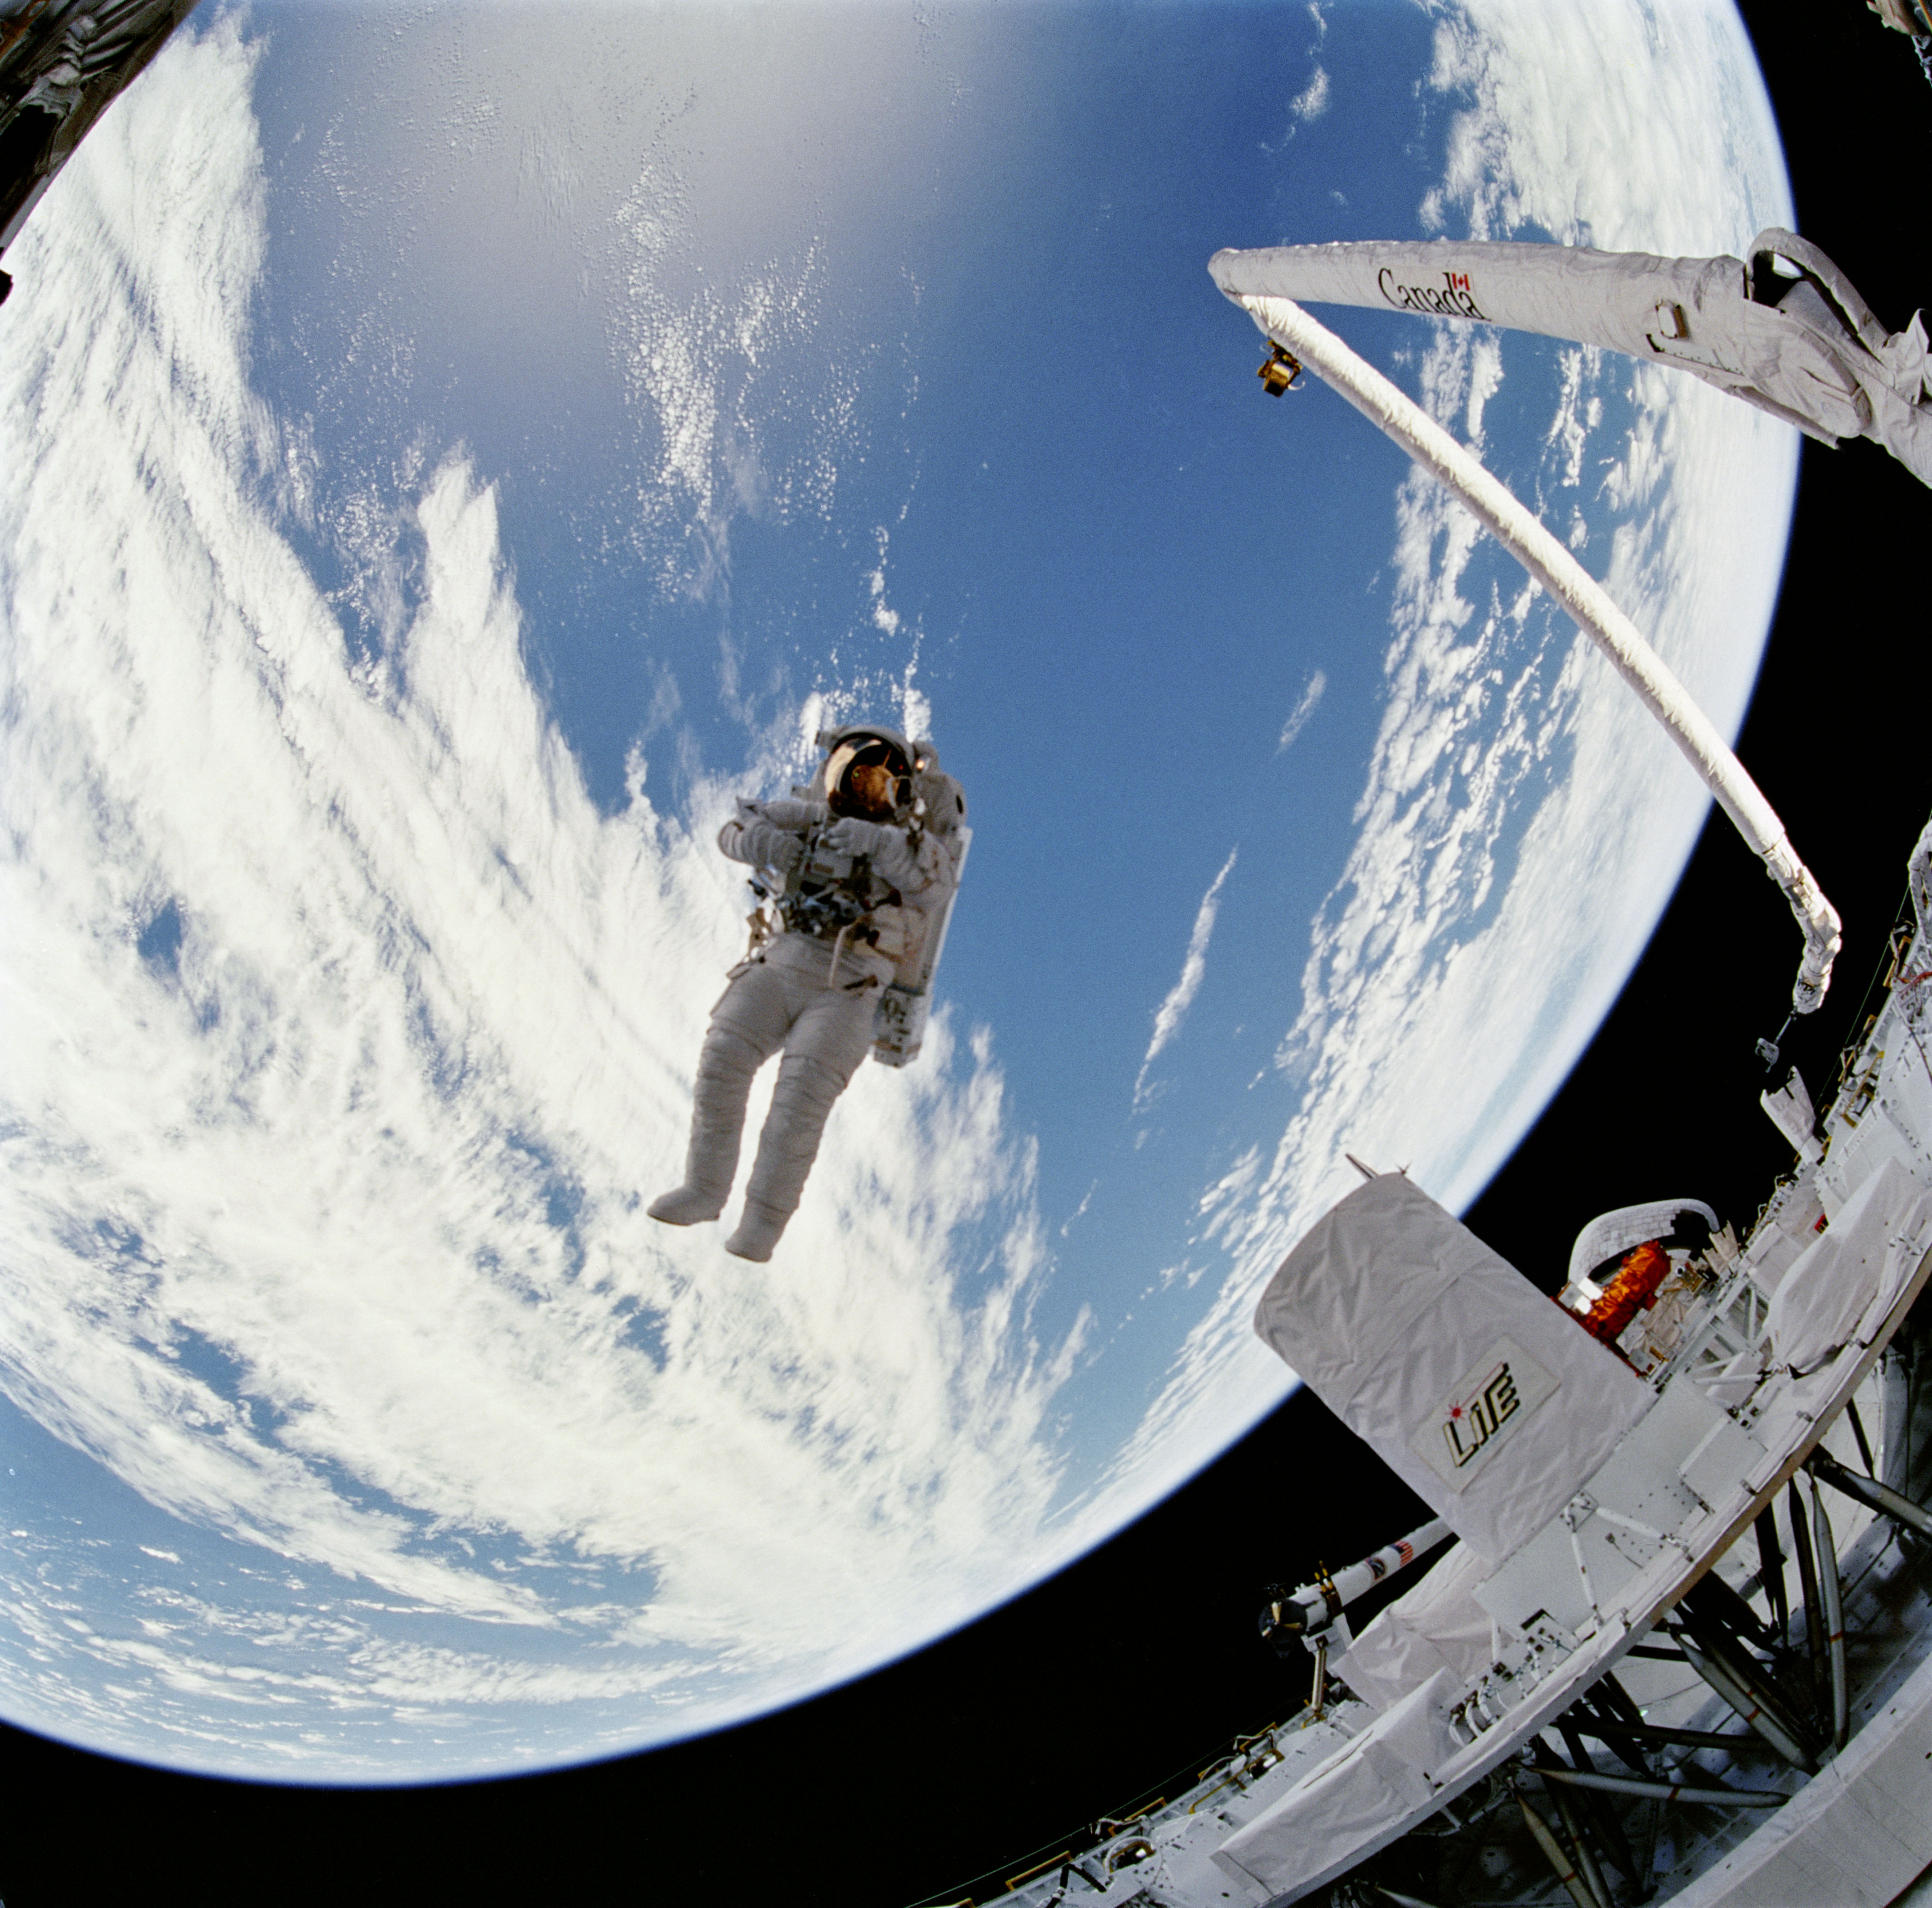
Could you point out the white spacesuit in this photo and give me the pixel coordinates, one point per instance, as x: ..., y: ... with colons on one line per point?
x: 860, y: 867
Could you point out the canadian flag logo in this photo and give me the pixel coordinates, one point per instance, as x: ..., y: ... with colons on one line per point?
x: 1453, y: 297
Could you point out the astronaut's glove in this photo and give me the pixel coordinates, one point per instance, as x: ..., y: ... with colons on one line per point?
x: 850, y: 836
x: 886, y: 847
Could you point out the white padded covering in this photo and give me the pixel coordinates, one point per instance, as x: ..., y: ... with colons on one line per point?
x: 1394, y: 1314
x: 1333, y: 1810
x: 1873, y: 1246
x: 1439, y: 1627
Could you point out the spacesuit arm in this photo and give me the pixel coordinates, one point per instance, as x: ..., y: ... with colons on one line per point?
x: 768, y: 834
x: 923, y: 872
x: 790, y: 812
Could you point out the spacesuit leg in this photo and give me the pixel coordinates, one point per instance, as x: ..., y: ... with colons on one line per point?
x: 747, y: 1026
x: 828, y: 1040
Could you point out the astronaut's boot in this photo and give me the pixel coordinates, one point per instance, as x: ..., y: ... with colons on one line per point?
x: 724, y: 1071
x: 685, y: 1205
x: 759, y: 1229
x: 801, y: 1102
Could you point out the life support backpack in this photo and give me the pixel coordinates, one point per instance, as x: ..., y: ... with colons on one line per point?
x: 939, y: 809
x: 899, y: 1027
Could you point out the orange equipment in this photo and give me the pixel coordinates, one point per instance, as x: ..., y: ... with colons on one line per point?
x: 1634, y: 1287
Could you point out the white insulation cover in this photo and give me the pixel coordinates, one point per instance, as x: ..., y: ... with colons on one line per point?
x: 1611, y: 1235
x: 1336, y: 1808
x: 1438, y: 1627
x: 1480, y: 1393
x: 1873, y: 1247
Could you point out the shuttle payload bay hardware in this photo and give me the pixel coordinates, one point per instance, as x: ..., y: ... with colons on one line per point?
x: 62, y: 62
x: 1679, y: 1647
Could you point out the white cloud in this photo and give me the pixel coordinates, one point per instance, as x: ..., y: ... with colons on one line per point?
x: 1628, y: 128
x: 1172, y: 1011
x: 1312, y: 101
x: 1298, y: 717
x: 1485, y: 378
x: 713, y: 369
x: 885, y: 618
x: 1579, y: 409
x: 325, y: 1224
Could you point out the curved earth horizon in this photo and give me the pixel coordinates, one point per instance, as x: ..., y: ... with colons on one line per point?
x: 443, y: 461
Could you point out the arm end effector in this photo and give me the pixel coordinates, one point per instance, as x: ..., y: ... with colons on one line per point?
x: 1816, y: 917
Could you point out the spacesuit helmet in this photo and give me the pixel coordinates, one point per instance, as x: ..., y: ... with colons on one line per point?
x: 868, y: 773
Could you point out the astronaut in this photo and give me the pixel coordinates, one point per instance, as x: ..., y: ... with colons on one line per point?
x: 860, y: 867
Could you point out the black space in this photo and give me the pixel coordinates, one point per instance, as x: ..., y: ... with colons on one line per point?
x: 1122, y: 1675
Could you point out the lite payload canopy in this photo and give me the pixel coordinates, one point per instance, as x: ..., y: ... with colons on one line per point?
x: 1786, y: 331
x: 1488, y: 1403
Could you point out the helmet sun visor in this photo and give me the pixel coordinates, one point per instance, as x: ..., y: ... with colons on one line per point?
x: 867, y: 777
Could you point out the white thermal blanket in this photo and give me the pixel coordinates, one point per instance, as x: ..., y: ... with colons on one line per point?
x: 1611, y: 1235
x: 1873, y: 1245
x: 1327, y: 1816
x: 1438, y: 1628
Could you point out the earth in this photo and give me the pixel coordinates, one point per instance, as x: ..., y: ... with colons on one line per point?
x: 445, y: 456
